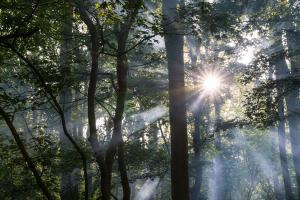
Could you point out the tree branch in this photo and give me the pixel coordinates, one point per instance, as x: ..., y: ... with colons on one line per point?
x: 19, y: 35
x: 25, y: 155
x: 49, y: 92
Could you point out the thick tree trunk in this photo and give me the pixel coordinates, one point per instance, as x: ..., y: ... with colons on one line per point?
x: 281, y: 71
x: 293, y: 101
x: 177, y: 106
x: 25, y: 155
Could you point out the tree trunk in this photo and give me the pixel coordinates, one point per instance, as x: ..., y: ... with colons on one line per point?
x: 93, y: 137
x: 220, y: 189
x: 282, y: 152
x: 66, y: 98
x: 197, y: 116
x: 293, y: 101
x: 177, y: 106
x: 116, y: 145
x: 281, y: 71
x: 197, y: 159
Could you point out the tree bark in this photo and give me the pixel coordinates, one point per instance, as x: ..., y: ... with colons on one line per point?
x: 177, y: 106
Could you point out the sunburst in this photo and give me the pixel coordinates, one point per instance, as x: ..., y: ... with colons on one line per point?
x: 211, y: 83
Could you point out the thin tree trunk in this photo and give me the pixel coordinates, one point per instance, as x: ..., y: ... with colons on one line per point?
x: 177, y: 106
x: 282, y: 152
x: 123, y: 172
x: 117, y: 133
x: 220, y: 188
x: 79, y: 105
x: 93, y: 137
x: 164, y: 138
x: 197, y: 159
x: 197, y: 115
x: 25, y: 155
x: 66, y: 98
x: 117, y: 144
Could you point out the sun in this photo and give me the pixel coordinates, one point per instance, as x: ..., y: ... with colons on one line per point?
x: 211, y: 83
x: 210, y: 86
